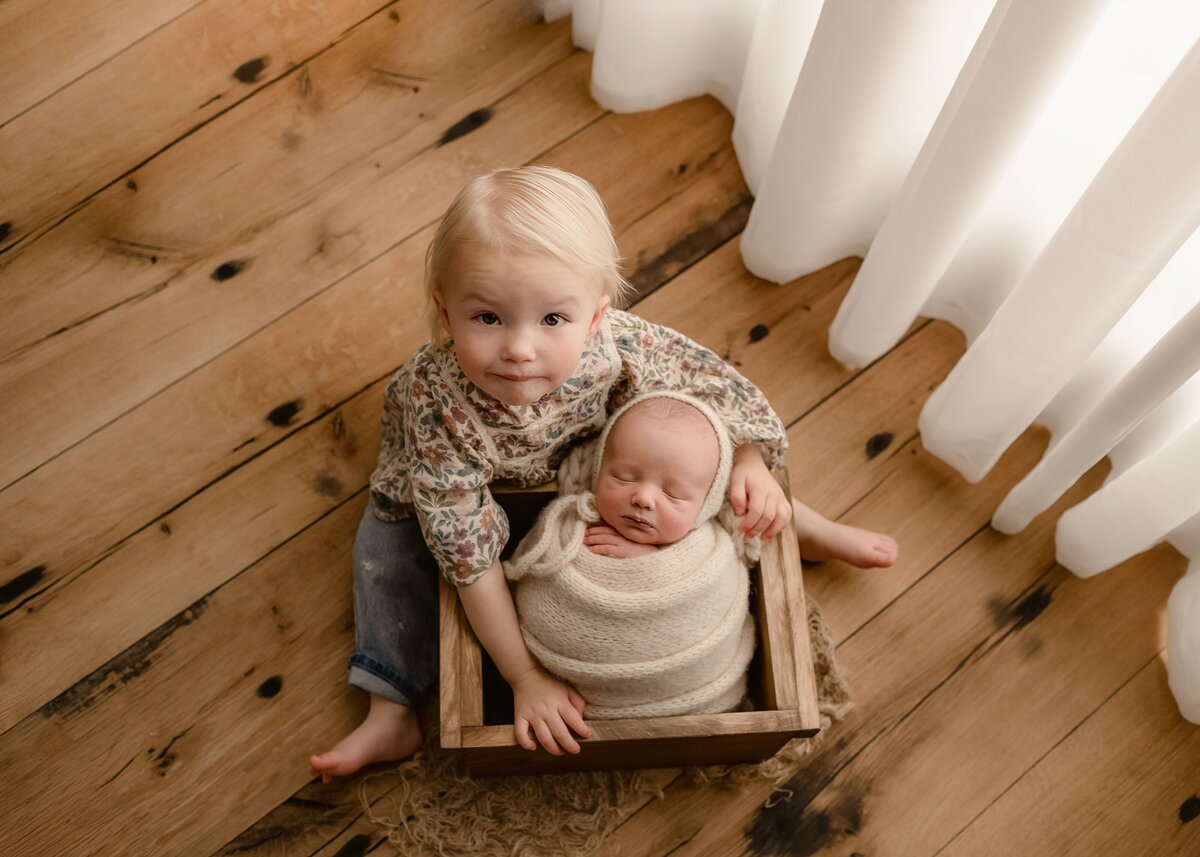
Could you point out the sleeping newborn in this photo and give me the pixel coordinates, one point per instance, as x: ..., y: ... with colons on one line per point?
x: 636, y: 593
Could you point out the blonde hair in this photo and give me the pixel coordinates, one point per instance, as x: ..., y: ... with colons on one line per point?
x: 531, y: 209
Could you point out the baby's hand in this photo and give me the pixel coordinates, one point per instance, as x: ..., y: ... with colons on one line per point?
x: 756, y: 496
x: 606, y: 541
x: 548, y: 706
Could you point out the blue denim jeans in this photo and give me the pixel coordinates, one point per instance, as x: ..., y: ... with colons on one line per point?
x: 395, y: 610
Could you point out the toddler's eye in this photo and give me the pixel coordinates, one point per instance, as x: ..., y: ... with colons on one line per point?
x: 553, y: 320
x: 488, y: 318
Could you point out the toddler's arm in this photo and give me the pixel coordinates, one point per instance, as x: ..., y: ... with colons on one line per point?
x: 755, y: 495
x: 540, y: 701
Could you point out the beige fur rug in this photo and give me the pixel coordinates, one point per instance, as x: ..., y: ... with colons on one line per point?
x: 435, y: 807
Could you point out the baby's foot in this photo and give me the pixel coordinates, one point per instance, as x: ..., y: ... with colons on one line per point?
x: 389, y: 733
x: 822, y: 539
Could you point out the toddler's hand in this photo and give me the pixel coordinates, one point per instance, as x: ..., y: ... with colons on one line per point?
x: 549, y: 707
x: 606, y: 541
x: 756, y: 496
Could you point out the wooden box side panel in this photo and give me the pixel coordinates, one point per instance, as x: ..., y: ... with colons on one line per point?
x: 783, y: 592
x: 660, y: 753
x: 778, y: 687
x: 645, y: 743
x: 804, y: 670
x: 460, y: 685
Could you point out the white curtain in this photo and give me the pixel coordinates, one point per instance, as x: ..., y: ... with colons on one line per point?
x: 1027, y: 171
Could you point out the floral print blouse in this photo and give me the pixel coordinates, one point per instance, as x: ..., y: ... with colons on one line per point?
x: 444, y: 440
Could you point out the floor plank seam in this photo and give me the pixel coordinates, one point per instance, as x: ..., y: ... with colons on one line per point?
x: 38, y: 231
x: 681, y: 844
x: 856, y: 373
x: 71, y: 575
x: 283, y: 214
x: 132, y: 299
x: 26, y: 600
x: 1050, y: 750
x: 101, y: 64
x: 916, y: 581
x: 967, y: 660
x: 536, y: 159
x: 62, y: 700
x: 349, y: 824
x: 869, y: 492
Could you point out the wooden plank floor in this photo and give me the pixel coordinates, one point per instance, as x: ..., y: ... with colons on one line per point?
x: 212, y: 219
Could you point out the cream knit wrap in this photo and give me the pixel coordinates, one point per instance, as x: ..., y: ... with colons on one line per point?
x: 657, y: 635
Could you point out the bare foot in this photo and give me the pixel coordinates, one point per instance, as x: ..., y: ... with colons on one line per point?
x: 821, y: 539
x: 389, y: 733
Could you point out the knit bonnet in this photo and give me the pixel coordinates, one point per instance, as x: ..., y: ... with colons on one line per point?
x: 720, y: 484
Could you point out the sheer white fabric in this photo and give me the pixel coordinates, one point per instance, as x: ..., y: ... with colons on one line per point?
x: 1022, y: 169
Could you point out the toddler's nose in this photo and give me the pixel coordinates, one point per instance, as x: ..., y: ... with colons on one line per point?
x: 518, y: 348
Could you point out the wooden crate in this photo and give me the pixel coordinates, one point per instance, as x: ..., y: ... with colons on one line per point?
x: 782, y: 684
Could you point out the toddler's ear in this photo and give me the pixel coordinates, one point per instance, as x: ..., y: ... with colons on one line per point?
x: 441, y: 311
x: 598, y: 317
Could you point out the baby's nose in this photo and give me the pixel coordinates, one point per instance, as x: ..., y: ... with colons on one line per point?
x: 643, y: 498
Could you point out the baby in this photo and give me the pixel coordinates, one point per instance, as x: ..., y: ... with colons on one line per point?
x: 528, y: 355
x: 635, y: 594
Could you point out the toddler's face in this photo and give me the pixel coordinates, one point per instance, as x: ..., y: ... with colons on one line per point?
x: 519, y: 322
x: 655, y: 475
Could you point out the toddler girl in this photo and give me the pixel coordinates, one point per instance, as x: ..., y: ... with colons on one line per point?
x: 527, y: 357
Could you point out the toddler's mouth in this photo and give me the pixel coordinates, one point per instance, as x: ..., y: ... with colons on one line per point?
x: 516, y: 377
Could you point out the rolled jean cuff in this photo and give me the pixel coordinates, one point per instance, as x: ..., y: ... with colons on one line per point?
x: 373, y: 677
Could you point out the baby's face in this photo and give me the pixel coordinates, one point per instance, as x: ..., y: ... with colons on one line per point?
x: 655, y: 475
x: 519, y: 322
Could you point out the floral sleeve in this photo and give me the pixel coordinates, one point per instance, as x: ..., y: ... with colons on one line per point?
x: 463, y: 525
x: 658, y: 358
x: 388, y: 484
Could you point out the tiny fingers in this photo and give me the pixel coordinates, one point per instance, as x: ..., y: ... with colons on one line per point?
x: 754, y: 516
x: 577, y: 702
x: 781, y: 517
x: 737, y: 494
x: 563, y: 735
x: 521, y: 729
x: 573, y: 716
x: 546, y: 738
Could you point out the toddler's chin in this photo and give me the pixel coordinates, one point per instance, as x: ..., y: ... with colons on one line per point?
x: 514, y: 397
x: 530, y: 398
x: 523, y: 394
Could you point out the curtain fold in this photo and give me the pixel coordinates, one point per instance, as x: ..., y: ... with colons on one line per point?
x: 873, y: 80
x: 1140, y: 208
x: 1024, y: 170
x: 999, y: 92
